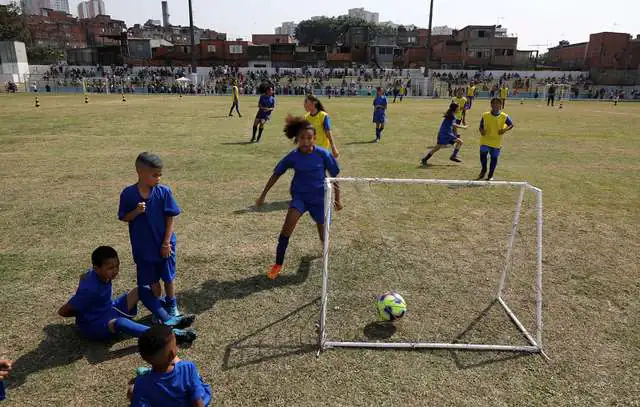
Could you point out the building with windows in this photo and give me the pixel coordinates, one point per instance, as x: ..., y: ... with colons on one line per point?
x: 91, y: 9
x: 287, y: 28
x: 365, y: 15
x: 35, y: 7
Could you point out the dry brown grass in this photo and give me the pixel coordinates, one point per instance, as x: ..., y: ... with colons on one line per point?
x: 63, y: 165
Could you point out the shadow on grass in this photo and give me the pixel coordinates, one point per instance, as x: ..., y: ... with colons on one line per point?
x: 266, y: 207
x: 379, y: 330
x: 255, y: 353
x: 63, y: 345
x: 203, y: 298
x: 236, y: 143
x: 353, y: 143
x: 472, y: 359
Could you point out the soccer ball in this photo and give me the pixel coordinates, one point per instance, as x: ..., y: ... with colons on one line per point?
x: 391, y: 306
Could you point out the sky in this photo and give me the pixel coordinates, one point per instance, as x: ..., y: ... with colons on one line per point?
x: 537, y: 23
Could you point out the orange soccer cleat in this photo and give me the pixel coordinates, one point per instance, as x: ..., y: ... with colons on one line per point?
x: 274, y: 272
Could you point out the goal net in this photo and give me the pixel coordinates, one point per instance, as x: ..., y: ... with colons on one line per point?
x: 465, y: 255
x: 563, y: 91
x: 96, y: 85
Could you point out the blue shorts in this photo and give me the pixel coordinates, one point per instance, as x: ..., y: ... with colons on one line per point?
x: 379, y: 117
x: 315, y: 209
x: 99, y: 330
x: 263, y: 116
x: 447, y: 139
x: 494, y: 152
x: 150, y: 273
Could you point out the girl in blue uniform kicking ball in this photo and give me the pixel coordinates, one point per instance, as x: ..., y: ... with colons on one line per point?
x: 310, y: 165
x: 447, y: 136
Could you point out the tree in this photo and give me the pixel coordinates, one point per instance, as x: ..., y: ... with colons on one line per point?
x: 13, y: 24
x: 332, y: 30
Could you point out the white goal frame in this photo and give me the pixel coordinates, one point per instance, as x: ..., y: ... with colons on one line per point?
x: 535, y: 342
x: 105, y: 82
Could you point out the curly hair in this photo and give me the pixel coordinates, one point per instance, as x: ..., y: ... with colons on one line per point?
x: 295, y: 125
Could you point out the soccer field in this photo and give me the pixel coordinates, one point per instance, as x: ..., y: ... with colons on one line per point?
x: 64, y: 164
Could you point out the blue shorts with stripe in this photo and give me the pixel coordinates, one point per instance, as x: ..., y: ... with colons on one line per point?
x: 99, y: 330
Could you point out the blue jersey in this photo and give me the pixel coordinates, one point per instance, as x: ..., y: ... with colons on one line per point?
x: 179, y: 388
x: 92, y: 301
x: 147, y: 229
x: 446, y: 128
x: 268, y: 102
x: 310, y: 172
x: 380, y: 101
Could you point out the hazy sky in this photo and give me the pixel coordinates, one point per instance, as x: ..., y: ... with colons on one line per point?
x: 533, y: 21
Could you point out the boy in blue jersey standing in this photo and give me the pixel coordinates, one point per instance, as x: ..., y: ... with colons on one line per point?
x: 266, y: 105
x: 379, y: 112
x: 99, y: 317
x: 149, y: 208
x: 311, y: 164
x: 171, y: 382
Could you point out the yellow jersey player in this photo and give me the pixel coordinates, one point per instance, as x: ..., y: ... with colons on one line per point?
x: 321, y: 122
x: 461, y: 111
x: 504, y: 93
x: 235, y: 95
x: 471, y: 94
x: 493, y: 126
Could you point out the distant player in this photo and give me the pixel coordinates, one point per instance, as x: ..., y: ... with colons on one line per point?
x: 461, y: 112
x: 493, y: 126
x: 235, y: 94
x: 379, y: 112
x: 310, y: 165
x: 100, y: 318
x: 321, y: 122
x: 170, y: 381
x: 471, y: 94
x: 266, y: 105
x: 551, y: 94
x: 504, y: 94
x: 447, y: 136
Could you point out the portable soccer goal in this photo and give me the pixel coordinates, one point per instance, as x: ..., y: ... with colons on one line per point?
x: 96, y: 85
x: 563, y: 91
x: 428, y: 235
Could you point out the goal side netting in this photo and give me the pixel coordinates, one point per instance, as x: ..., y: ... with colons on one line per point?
x: 96, y: 85
x: 465, y: 255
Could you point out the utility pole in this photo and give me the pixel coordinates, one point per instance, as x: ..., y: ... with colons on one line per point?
x: 194, y: 67
x: 429, y: 49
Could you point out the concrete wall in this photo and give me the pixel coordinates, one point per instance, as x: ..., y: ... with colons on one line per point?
x: 13, y: 60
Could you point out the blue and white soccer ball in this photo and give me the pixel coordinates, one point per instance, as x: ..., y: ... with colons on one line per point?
x: 391, y: 306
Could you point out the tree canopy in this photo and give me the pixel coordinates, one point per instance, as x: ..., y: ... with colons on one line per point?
x: 13, y: 26
x: 331, y: 30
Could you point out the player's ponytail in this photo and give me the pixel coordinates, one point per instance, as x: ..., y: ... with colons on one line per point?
x: 316, y: 102
x: 451, y: 113
x: 294, y: 126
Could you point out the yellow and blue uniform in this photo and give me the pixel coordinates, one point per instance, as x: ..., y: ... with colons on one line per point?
x: 235, y: 101
x: 504, y: 92
x: 234, y: 93
x: 321, y: 122
x: 181, y: 387
x: 307, y: 185
x: 147, y: 232
x: 491, y: 142
x: 462, y: 106
x: 471, y: 94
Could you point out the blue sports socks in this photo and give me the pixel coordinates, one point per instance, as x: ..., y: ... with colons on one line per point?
x: 492, y: 166
x: 129, y: 327
x: 153, y: 303
x: 283, y: 243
